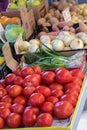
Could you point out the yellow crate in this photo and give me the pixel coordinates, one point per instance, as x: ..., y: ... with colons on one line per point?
x: 80, y: 98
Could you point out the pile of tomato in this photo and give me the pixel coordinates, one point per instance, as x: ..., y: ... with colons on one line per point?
x: 32, y: 97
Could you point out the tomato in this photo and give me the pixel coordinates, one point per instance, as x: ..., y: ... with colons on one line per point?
x: 44, y: 90
x: 47, y: 107
x: 17, y: 71
x: 15, y: 90
x: 70, y: 98
x: 17, y: 108
x: 1, y: 86
x: 34, y: 79
x: 44, y: 120
x: 28, y: 91
x: 73, y: 92
x: 37, y: 99
x: 3, y: 92
x: 63, y: 76
x: 58, y: 69
x: 77, y: 73
x: 52, y: 99
x: 18, y: 80
x: 9, y: 79
x: 7, y: 99
x: 48, y: 77
x: 56, y: 86
x: 29, y: 117
x: 2, y: 82
x: 57, y: 93
x: 13, y: 120
x: 37, y: 69
x: 4, y: 112
x: 63, y: 109
x: 8, y: 88
x: 35, y: 109
x: 5, y: 104
x: 2, y: 123
x: 77, y: 80
x: 72, y: 86
x: 20, y: 99
x: 26, y: 71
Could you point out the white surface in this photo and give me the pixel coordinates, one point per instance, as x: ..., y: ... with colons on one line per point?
x: 82, y: 125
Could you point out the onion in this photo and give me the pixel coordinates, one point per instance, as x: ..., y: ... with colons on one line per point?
x: 44, y: 46
x: 33, y: 48
x: 57, y: 45
x: 23, y: 46
x: 82, y: 36
x: 77, y: 44
x: 35, y: 41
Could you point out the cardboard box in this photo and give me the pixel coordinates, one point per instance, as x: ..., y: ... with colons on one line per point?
x: 27, y: 19
x: 41, y: 10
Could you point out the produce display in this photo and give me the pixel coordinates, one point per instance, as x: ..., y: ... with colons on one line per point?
x: 32, y: 97
x: 55, y: 15
x: 18, y: 3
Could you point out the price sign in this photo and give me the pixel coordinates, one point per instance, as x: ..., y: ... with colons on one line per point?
x: 66, y: 15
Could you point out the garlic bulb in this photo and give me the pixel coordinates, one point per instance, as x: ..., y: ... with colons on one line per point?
x: 33, y: 48
x: 35, y: 41
x: 82, y: 36
x: 45, y: 39
x: 76, y: 44
x: 57, y: 45
x: 47, y: 46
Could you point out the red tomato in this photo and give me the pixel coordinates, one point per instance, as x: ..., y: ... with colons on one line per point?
x: 13, y: 120
x: 44, y: 90
x: 52, y: 99
x: 17, y: 71
x: 34, y: 79
x: 58, y: 69
x: 1, y: 86
x: 29, y: 117
x: 73, y: 92
x: 17, y: 108
x: 5, y: 105
x: 7, y: 99
x: 63, y: 109
x: 28, y: 91
x: 4, y: 112
x: 2, y: 82
x: 37, y: 69
x: 56, y: 86
x: 20, y: 99
x: 63, y: 76
x: 70, y: 98
x: 47, y: 107
x: 57, y: 93
x: 35, y: 110
x: 44, y: 120
x: 9, y: 79
x: 3, y: 92
x: 26, y: 71
x: 15, y: 90
x: 18, y: 80
x: 37, y: 99
x: 77, y: 73
x: 48, y: 77
x: 72, y: 86
x: 2, y: 123
x: 77, y: 80
x: 8, y: 88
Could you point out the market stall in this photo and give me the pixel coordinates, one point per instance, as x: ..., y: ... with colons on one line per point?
x: 43, y: 72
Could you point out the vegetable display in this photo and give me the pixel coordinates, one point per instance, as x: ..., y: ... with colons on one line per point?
x: 34, y: 97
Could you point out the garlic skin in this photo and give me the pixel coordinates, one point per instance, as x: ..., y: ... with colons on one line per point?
x: 45, y: 39
x: 47, y: 46
x: 77, y: 44
x: 82, y: 36
x: 23, y: 46
x: 57, y: 45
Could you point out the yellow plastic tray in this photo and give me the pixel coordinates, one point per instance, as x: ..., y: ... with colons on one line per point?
x: 60, y: 127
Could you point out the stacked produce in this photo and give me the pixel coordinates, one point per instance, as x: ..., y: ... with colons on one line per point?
x: 16, y: 4
x: 30, y: 97
x: 55, y: 15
